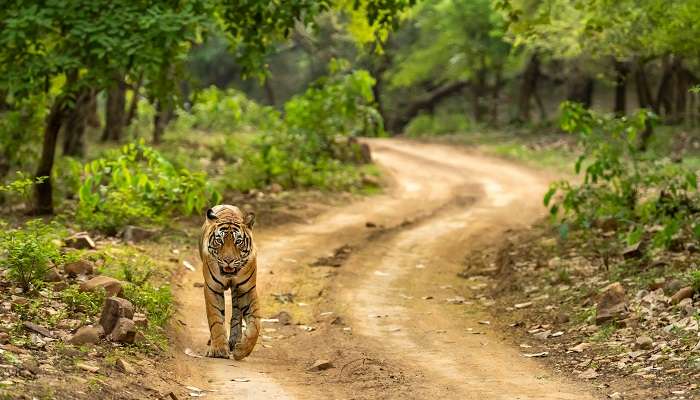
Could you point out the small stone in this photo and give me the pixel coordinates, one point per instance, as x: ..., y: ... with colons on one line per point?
x: 52, y: 275
x: 89, y: 334
x: 88, y: 367
x: 615, y: 396
x: 580, y: 348
x: 38, y: 329
x: 80, y: 267
x: 562, y: 318
x: 612, y: 303
x: 284, y: 318
x: 632, y: 251
x: 320, y: 365
x: 114, y: 309
x: 672, y: 286
x: 140, y: 320
x: 684, y: 293
x: 370, y: 224
x: 60, y: 286
x: 644, y: 343
x: 4, y: 337
x: 275, y: 188
x: 137, y: 234
x: 79, y: 241
x: 112, y: 286
x: 590, y: 373
x: 630, y: 322
x: 125, y: 367
x: 198, y: 285
x: 124, y: 331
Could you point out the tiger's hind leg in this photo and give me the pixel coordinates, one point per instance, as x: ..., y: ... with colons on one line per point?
x: 236, y: 321
x: 215, y: 306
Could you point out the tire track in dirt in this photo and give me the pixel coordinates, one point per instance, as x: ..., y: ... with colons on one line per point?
x: 455, y: 202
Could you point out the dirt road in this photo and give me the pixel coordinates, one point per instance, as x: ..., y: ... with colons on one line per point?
x: 382, y: 317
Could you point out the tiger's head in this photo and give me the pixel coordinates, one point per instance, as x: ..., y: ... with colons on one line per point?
x: 227, y: 238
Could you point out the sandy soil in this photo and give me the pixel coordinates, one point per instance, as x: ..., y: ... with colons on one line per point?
x: 383, y: 317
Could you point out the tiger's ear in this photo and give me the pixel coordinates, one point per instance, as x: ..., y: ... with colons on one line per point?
x: 211, y: 215
x: 249, y: 220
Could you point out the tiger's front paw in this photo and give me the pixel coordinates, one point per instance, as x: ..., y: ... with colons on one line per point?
x: 217, y: 352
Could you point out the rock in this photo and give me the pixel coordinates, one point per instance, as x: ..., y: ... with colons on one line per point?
x: 140, y: 320
x: 657, y: 283
x: 644, y: 343
x: 632, y: 251
x: 137, y: 234
x: 112, y: 286
x: 80, y: 267
x: 370, y: 224
x: 365, y: 153
x: 320, y: 365
x: 580, y: 348
x: 125, y: 367
x: 52, y: 275
x: 80, y: 240
x: 615, y: 396
x: 275, y: 188
x: 4, y: 337
x: 542, y: 335
x: 87, y: 367
x: 631, y: 322
x: 198, y: 284
x: 590, y: 373
x: 38, y: 329
x: 124, y: 331
x: 60, y: 286
x: 684, y: 293
x: 369, y: 180
x: 89, y: 334
x: 562, y: 318
x: 612, y: 303
x: 284, y: 318
x: 114, y: 309
x: 672, y: 286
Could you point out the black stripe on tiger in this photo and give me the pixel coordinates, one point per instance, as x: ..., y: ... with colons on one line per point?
x: 246, y: 279
x: 210, y: 288
x: 246, y: 292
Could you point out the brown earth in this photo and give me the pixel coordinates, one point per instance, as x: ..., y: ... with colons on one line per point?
x: 388, y: 311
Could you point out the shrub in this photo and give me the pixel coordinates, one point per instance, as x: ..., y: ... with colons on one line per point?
x: 29, y: 252
x: 155, y: 302
x: 622, y: 183
x: 138, y: 185
x: 440, y: 124
x: 88, y: 303
x: 314, y: 144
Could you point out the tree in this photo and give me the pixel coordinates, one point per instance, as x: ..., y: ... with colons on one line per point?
x: 70, y: 46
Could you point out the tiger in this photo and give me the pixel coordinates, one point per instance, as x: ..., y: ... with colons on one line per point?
x: 229, y: 261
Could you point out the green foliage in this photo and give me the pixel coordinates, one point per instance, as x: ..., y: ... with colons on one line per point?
x: 644, y: 195
x: 29, y: 252
x: 88, y: 303
x: 438, y: 124
x: 314, y: 144
x: 155, y: 302
x: 227, y: 111
x: 20, y: 133
x: 136, y: 184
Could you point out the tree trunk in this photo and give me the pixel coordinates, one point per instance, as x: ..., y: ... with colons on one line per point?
x: 527, y: 88
x: 93, y: 116
x: 643, y: 92
x: 76, y: 122
x: 114, y: 111
x: 478, y: 90
x: 134, y: 105
x: 269, y: 92
x: 581, y: 91
x: 427, y: 103
x: 621, y: 73
x: 495, y: 96
x: 682, y: 87
x: 44, y: 190
x: 664, y: 95
x: 160, y: 121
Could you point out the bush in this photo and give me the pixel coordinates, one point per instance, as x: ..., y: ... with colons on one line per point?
x: 442, y: 123
x: 645, y: 196
x: 227, y: 111
x: 30, y: 252
x: 155, y: 302
x: 138, y: 185
x: 314, y: 144
x: 88, y: 303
